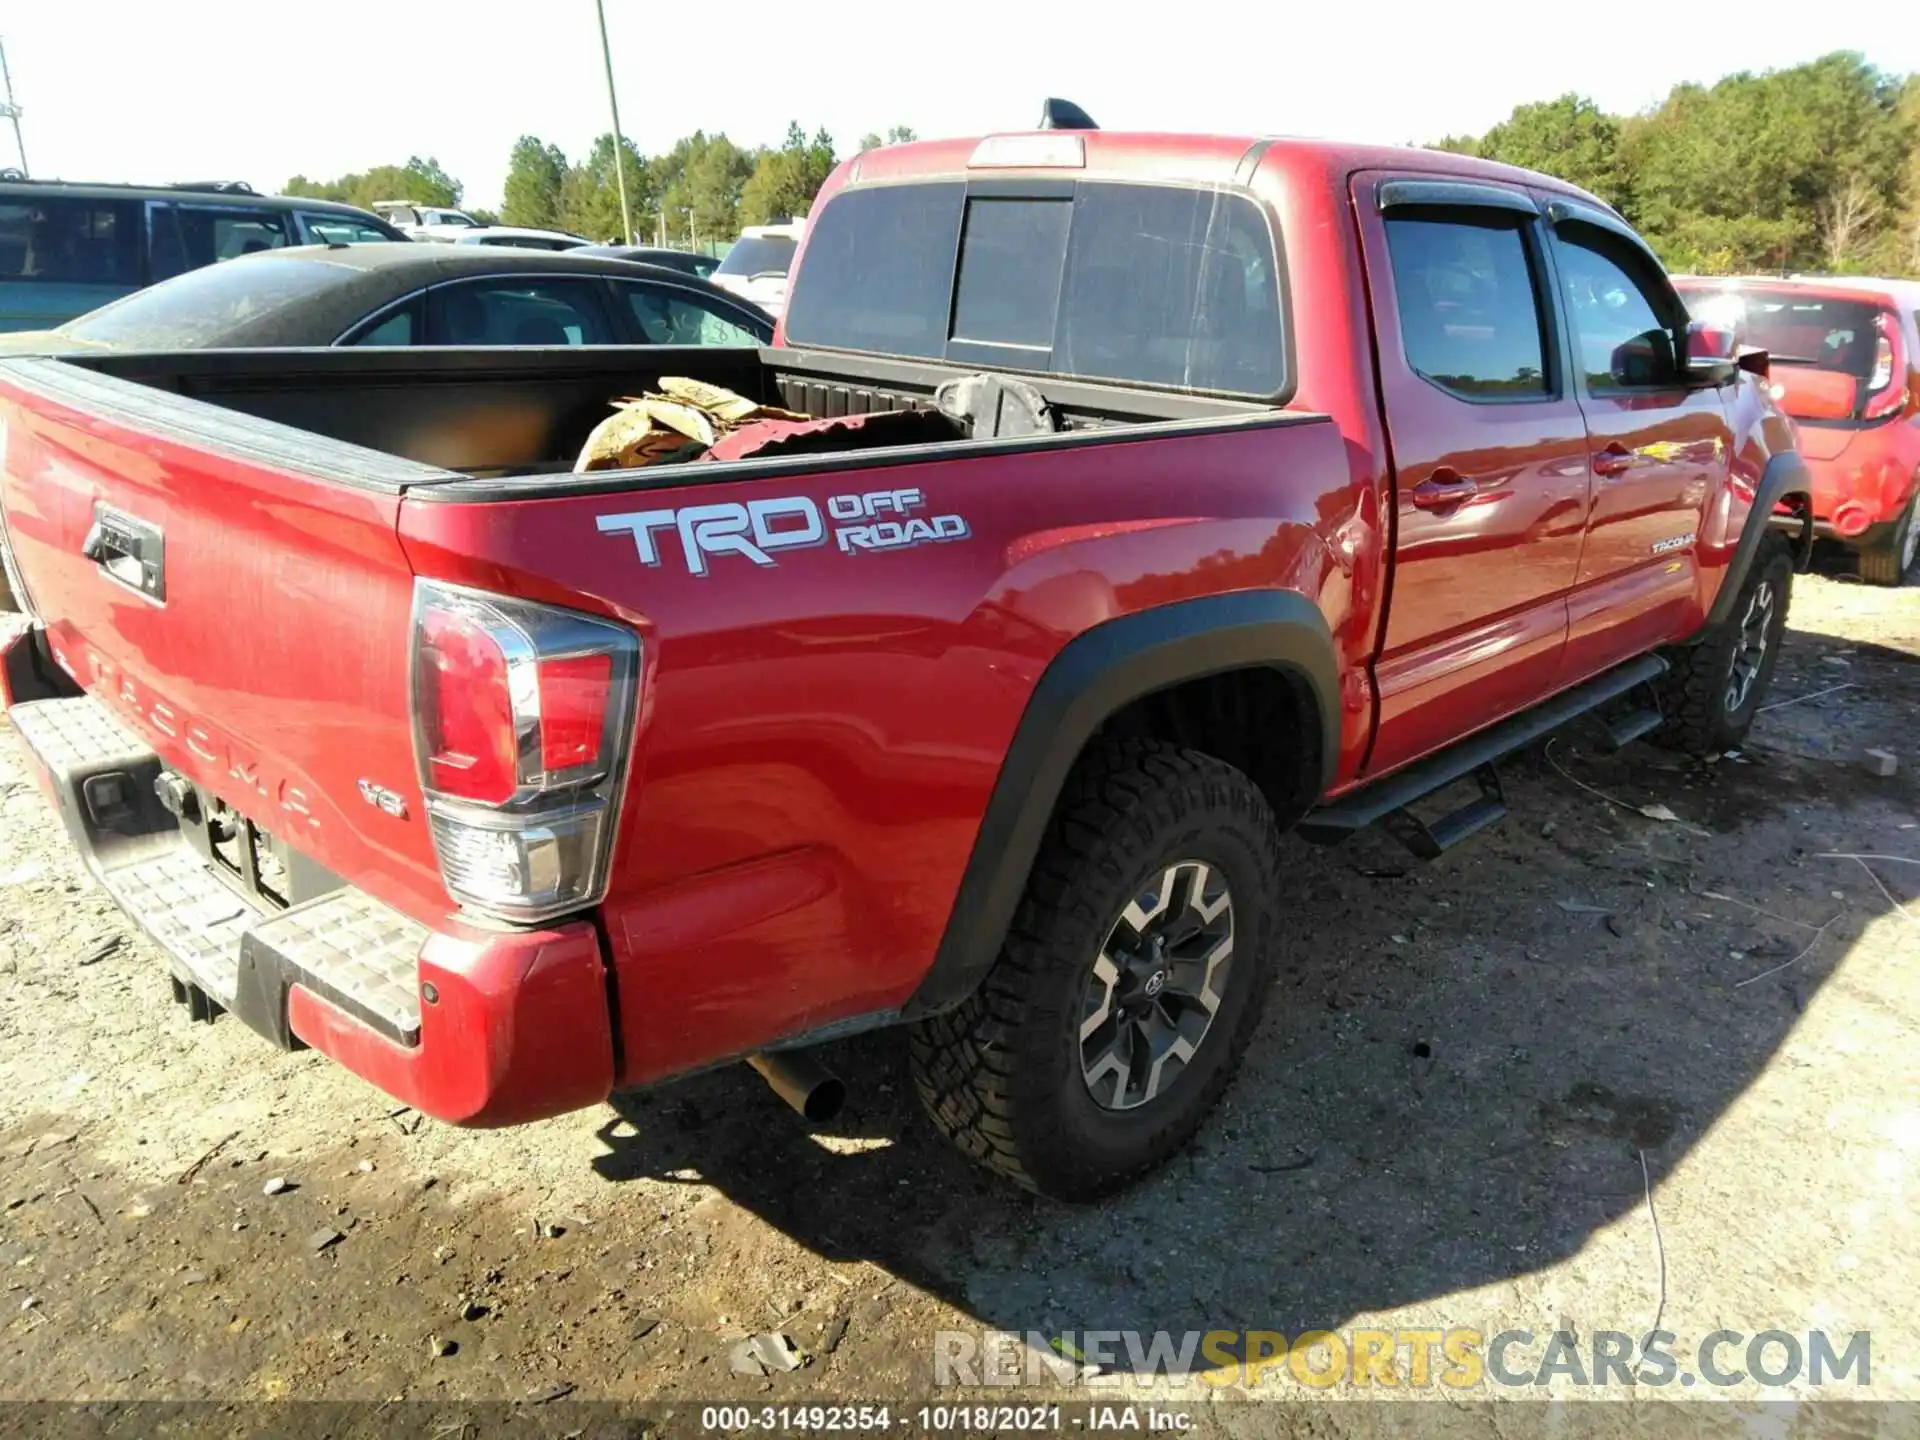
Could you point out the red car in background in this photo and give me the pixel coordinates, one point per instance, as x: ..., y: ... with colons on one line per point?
x: 1845, y: 356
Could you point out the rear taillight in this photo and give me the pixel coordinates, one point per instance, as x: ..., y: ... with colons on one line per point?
x: 523, y: 715
x: 1883, y: 395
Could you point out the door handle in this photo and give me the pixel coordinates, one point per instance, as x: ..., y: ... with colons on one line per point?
x: 1616, y: 459
x: 1443, y: 490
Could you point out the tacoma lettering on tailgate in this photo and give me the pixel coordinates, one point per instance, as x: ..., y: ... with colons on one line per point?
x: 239, y: 773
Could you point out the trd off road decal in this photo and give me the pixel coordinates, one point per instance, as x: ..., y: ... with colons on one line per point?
x: 758, y: 529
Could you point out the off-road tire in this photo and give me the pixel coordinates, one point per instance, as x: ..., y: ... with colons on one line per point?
x: 1697, y: 688
x: 1001, y: 1075
x: 1887, y: 563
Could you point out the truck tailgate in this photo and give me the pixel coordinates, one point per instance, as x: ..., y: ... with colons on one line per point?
x: 243, y: 615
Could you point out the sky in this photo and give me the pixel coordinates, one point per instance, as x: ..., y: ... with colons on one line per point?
x: 259, y: 90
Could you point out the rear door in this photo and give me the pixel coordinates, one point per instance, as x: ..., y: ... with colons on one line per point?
x: 1489, y: 452
x: 1660, y: 446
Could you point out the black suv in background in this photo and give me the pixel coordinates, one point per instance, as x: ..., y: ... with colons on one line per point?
x: 67, y: 248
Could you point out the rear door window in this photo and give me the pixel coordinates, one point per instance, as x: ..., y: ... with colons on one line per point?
x: 668, y: 315
x: 186, y: 237
x: 564, y: 311
x: 1161, y: 285
x: 69, y: 240
x: 1468, y: 305
x: 401, y: 326
x: 342, y: 230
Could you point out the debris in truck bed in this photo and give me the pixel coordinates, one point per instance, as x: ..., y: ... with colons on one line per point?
x: 691, y: 420
x: 679, y: 423
x: 723, y: 405
x: 840, y: 433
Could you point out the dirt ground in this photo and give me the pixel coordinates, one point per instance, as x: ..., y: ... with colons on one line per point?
x: 1443, y: 1122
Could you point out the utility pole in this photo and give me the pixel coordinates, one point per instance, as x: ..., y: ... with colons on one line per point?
x: 613, y: 103
x: 10, y: 110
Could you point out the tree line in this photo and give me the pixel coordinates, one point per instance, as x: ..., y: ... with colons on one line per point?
x: 420, y: 180
x: 1812, y: 168
x: 1815, y: 167
x: 705, y: 188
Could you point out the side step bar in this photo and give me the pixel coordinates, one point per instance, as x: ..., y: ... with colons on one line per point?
x: 1388, y: 799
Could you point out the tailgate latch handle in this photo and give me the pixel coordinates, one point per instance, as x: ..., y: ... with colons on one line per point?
x: 128, y: 549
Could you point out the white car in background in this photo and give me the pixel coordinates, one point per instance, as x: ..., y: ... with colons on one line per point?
x: 425, y: 222
x: 516, y: 236
x: 433, y: 222
x: 756, y: 267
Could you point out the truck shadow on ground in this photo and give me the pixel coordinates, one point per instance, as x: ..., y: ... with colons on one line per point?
x: 1463, y: 1068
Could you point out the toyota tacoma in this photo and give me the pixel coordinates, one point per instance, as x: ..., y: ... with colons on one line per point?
x: 1159, y: 495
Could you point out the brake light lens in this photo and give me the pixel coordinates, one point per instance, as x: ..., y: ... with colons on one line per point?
x: 1884, y: 397
x: 466, y: 712
x: 523, y: 718
x: 574, y: 694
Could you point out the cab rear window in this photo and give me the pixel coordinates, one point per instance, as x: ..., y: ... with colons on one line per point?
x: 1148, y: 284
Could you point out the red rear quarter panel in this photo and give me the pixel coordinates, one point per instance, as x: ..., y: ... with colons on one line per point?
x: 819, y: 737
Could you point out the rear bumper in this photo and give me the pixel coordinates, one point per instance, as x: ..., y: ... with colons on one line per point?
x: 471, y: 1026
x: 1868, y: 484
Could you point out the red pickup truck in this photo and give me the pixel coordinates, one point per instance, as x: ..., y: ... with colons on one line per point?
x: 507, y: 786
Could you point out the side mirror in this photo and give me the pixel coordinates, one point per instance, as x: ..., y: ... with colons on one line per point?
x: 1645, y: 361
x: 1713, y: 353
x: 1709, y: 344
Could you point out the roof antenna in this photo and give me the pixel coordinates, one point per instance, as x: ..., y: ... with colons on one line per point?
x: 1058, y: 114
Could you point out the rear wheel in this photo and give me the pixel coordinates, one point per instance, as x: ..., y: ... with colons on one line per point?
x: 1888, y: 562
x: 1715, y: 686
x: 1130, y: 982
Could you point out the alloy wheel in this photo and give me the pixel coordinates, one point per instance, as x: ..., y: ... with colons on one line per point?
x: 1156, y: 985
x: 1750, y: 651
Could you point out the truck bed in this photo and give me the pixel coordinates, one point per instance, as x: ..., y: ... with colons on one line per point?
x: 517, y: 418
x: 227, y: 553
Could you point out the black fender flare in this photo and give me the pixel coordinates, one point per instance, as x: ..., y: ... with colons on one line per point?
x: 1785, y: 474
x: 1097, y: 674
